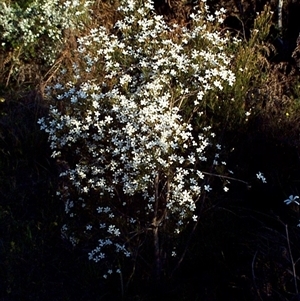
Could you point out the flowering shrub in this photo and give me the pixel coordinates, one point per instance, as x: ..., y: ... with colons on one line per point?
x: 25, y: 25
x: 127, y: 128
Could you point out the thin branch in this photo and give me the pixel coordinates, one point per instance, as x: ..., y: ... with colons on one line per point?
x: 224, y: 177
x: 292, y: 259
x: 280, y: 5
x: 190, y: 237
x: 157, y: 251
x: 253, y: 275
x: 291, y: 255
x: 185, y: 249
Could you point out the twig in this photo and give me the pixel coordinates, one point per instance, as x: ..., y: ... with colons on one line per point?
x: 185, y: 249
x: 224, y: 177
x: 290, y: 253
x: 190, y: 237
x: 291, y: 257
x: 157, y: 249
x: 280, y: 5
x: 122, y: 283
x: 253, y: 276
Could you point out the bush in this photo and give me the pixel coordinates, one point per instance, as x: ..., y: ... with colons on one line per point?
x: 35, y: 30
x: 129, y: 130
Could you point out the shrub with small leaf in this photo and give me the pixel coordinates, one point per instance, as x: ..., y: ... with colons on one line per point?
x: 129, y: 131
x: 262, y: 88
x: 35, y: 29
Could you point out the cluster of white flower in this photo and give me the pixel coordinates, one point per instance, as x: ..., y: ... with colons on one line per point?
x: 134, y: 157
x: 23, y: 26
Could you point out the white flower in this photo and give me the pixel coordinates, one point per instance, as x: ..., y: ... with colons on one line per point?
x: 89, y: 227
x: 292, y: 199
x: 261, y: 177
x: 207, y: 188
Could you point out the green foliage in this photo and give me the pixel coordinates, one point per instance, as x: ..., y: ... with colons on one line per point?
x: 261, y: 90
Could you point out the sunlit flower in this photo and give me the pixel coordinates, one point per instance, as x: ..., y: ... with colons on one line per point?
x: 133, y: 147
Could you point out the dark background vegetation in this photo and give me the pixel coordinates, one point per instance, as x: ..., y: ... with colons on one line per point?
x: 247, y: 244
